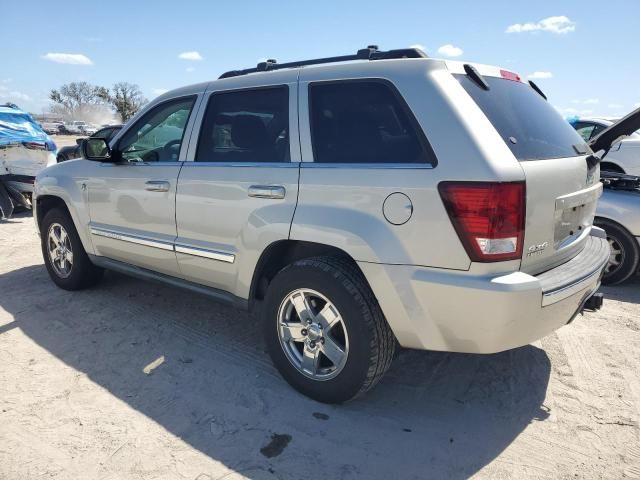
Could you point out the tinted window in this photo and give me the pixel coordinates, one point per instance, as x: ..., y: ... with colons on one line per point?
x: 364, y: 122
x: 158, y: 135
x: 246, y: 126
x: 104, y: 133
x: 528, y: 124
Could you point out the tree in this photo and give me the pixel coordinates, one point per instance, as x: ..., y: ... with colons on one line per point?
x: 76, y: 99
x: 125, y: 98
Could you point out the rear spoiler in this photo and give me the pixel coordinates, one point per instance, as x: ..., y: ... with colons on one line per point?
x: 622, y: 128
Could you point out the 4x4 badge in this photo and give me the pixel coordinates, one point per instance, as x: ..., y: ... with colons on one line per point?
x: 536, y: 249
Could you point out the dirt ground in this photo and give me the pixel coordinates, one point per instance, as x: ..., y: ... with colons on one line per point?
x: 139, y: 380
x: 64, y: 140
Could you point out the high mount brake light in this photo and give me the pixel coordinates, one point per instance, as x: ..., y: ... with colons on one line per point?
x: 510, y: 75
x: 488, y: 217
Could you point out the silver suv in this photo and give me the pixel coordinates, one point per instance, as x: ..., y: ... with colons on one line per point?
x: 355, y: 203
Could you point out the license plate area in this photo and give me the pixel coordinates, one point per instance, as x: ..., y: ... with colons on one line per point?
x: 574, y: 215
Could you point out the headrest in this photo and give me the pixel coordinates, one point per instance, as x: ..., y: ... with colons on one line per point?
x: 249, y: 131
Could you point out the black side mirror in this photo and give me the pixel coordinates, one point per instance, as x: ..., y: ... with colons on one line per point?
x: 97, y: 149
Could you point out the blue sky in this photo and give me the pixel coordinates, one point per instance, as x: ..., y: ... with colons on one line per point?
x: 587, y: 48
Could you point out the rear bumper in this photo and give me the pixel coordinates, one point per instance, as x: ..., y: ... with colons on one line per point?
x: 437, y: 309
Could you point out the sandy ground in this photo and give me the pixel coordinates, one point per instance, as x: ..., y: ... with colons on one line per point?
x: 64, y: 140
x: 139, y: 380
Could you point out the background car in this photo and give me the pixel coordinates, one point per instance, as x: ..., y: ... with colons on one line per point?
x: 624, y: 157
x: 618, y: 213
x: 75, y: 151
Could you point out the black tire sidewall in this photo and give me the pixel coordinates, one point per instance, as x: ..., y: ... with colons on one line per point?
x: 630, y: 249
x: 351, y: 304
x: 83, y: 272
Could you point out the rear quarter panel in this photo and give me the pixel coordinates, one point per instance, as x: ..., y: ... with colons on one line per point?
x: 342, y: 205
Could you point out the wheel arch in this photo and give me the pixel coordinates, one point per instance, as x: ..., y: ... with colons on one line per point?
x: 281, y: 253
x: 613, y: 166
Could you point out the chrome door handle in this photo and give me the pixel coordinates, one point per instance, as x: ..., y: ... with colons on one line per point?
x: 267, y: 191
x: 157, y: 186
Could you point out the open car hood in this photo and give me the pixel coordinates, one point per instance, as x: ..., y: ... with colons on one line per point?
x: 622, y: 128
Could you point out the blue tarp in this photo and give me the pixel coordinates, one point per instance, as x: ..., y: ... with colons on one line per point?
x: 18, y: 126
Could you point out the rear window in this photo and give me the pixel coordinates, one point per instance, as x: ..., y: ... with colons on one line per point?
x: 527, y: 123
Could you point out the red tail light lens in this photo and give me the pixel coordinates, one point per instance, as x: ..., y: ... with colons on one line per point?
x: 488, y: 217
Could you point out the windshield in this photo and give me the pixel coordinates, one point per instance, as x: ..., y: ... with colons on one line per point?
x: 527, y: 123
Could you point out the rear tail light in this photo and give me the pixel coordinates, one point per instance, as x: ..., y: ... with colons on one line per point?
x: 488, y: 217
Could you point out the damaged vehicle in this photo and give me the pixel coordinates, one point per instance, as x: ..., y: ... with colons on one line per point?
x: 25, y: 150
x: 624, y: 156
x: 618, y: 211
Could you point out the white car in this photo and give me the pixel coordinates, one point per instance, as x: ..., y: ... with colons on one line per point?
x: 76, y: 127
x: 624, y: 156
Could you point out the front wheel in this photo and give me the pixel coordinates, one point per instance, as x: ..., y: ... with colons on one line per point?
x: 325, y: 331
x: 67, y: 263
x: 624, y: 254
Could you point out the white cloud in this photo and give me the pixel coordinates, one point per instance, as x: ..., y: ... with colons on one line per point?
x: 614, y: 105
x: 3, y: 88
x: 418, y: 46
x: 190, y: 56
x: 636, y: 105
x: 449, y: 50
x: 557, y: 24
x: 591, y: 101
x: 159, y: 91
x: 68, y: 58
x: 540, y: 75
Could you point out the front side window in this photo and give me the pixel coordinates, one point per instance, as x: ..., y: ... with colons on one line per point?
x: 364, y: 122
x: 157, y: 137
x: 246, y: 126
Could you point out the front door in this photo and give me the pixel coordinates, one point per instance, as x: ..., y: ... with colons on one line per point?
x: 132, y: 202
x: 239, y: 193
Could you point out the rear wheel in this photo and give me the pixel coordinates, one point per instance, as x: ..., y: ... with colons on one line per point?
x: 67, y: 263
x: 624, y: 255
x: 325, y: 331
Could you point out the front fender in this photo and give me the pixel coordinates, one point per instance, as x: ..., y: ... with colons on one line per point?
x: 65, y: 181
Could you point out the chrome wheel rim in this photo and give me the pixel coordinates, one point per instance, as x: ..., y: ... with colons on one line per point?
x: 60, y: 251
x: 616, y: 256
x: 312, y: 334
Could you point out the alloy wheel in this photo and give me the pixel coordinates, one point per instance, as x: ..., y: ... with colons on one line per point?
x: 60, y: 250
x: 312, y: 334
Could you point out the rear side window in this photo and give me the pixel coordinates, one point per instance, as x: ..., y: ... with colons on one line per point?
x: 246, y: 126
x: 364, y: 122
x: 528, y: 124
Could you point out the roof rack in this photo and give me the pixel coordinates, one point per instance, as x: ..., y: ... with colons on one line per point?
x: 10, y: 105
x: 370, y: 53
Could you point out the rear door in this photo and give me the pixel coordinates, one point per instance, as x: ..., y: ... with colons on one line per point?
x: 238, y: 192
x: 561, y: 188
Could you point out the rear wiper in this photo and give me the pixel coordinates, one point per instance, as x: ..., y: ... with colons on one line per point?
x: 475, y: 76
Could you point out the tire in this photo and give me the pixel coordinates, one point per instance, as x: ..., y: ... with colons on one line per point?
x: 79, y: 272
x: 625, y: 252
x: 360, y: 331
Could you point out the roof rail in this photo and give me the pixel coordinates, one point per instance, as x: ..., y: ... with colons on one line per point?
x: 10, y: 105
x: 369, y: 53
